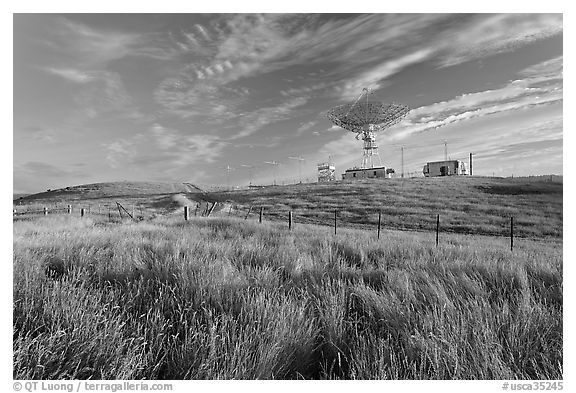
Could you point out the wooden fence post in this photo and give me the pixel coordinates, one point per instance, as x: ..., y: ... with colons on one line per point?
x: 249, y: 211
x: 109, y: 214
x: 45, y: 210
x: 196, y: 211
x: 82, y: 212
x: 185, y: 213
x: 511, y: 233
x: 335, y: 213
x: 88, y: 208
x: 290, y: 220
x: 69, y: 209
x: 437, y: 227
x: 379, y: 221
x: 261, y: 212
x: 230, y: 210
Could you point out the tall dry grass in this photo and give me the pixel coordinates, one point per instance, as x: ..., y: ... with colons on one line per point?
x: 228, y: 298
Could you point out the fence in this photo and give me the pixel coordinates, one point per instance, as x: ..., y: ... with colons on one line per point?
x: 118, y: 211
x: 112, y: 211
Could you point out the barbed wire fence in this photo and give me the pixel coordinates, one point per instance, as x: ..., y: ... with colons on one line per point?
x: 117, y: 212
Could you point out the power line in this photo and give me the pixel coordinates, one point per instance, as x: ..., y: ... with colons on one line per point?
x: 275, y: 163
x: 250, y: 168
x: 299, y: 159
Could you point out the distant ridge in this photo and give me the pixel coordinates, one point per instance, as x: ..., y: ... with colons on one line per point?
x: 107, y: 190
x: 550, y: 178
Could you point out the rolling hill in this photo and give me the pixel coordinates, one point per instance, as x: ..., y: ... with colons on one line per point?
x: 477, y: 205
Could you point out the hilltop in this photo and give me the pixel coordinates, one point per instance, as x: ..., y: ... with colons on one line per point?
x: 105, y: 190
x: 481, y: 205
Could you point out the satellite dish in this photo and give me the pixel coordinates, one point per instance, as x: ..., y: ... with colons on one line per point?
x: 365, y: 119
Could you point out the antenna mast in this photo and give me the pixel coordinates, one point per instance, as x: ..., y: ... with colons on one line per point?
x: 402, y: 154
x: 250, y: 167
x: 275, y: 168
x: 299, y: 159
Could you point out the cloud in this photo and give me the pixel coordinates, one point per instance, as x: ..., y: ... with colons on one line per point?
x: 165, y: 138
x: 41, y: 134
x: 100, y: 93
x: 373, y: 77
x: 305, y: 127
x: 71, y: 75
x: 540, y: 86
x: 492, y: 34
x: 364, y: 50
x: 202, y: 31
x: 256, y: 120
x: 180, y: 150
x: 201, y: 99
x: 119, y: 152
x: 199, y: 148
x: 308, y: 90
x: 84, y: 46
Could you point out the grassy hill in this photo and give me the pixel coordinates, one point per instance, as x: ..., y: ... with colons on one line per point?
x: 97, y: 191
x: 474, y: 205
x: 466, y: 205
x: 225, y: 298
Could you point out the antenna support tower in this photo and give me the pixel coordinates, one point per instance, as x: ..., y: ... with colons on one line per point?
x: 366, y: 119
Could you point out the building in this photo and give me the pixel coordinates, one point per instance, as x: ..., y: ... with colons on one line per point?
x: 326, y: 172
x: 367, y: 173
x: 444, y: 168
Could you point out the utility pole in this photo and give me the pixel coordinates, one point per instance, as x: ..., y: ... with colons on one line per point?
x: 250, y: 167
x: 471, y: 164
x: 402, y: 154
x: 228, y: 169
x: 275, y: 168
x: 299, y: 159
x: 445, y: 150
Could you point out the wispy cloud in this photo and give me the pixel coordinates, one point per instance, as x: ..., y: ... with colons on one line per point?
x: 259, y: 118
x: 100, y: 93
x: 497, y: 33
x: 540, y: 86
x: 363, y: 51
x: 374, y: 76
x: 305, y: 127
x: 182, y: 149
x: 41, y: 134
x: 88, y: 47
x: 71, y: 74
x: 119, y: 152
x: 83, y: 55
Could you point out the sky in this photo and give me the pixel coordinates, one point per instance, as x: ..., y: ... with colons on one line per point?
x: 211, y: 98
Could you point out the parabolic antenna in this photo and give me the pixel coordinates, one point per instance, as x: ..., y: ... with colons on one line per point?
x: 365, y: 118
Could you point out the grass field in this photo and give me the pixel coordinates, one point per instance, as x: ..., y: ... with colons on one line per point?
x: 477, y: 205
x: 228, y: 298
